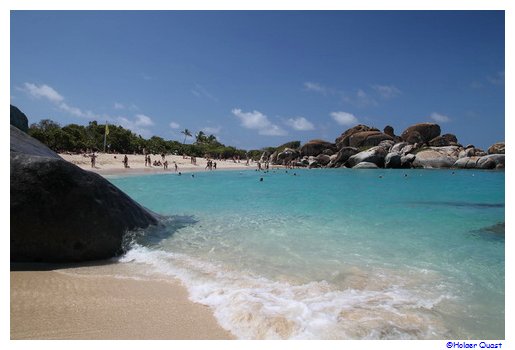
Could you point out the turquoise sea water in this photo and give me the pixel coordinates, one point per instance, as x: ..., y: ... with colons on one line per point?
x: 331, y: 253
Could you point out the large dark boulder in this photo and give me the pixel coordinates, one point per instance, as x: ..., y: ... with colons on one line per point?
x: 344, y: 138
x: 393, y: 160
x: 444, y: 140
x: 18, y: 119
x: 421, y: 133
x: 61, y: 213
x: 388, y: 130
x: 316, y: 147
x: 368, y: 138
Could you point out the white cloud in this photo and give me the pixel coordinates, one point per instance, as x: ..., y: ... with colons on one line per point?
x: 44, y: 91
x: 139, y: 124
x: 300, y: 123
x: 258, y: 121
x: 387, y: 91
x: 273, y: 130
x: 143, y: 120
x: 344, y: 118
x: 439, y: 118
x: 50, y: 94
x: 118, y: 105
x: 360, y: 99
x: 201, y: 91
x: 212, y: 130
x: 174, y: 125
x: 311, y: 86
x: 77, y: 111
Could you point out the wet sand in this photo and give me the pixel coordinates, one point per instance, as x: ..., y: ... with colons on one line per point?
x: 59, y: 305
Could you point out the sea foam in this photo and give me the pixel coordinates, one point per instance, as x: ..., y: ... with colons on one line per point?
x: 254, y: 307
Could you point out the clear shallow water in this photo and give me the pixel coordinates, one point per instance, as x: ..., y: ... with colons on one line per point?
x: 332, y: 253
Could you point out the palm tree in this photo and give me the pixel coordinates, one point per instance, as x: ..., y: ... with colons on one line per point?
x: 186, y: 133
x: 201, y: 137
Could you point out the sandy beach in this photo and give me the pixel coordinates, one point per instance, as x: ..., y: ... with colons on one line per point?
x: 112, y: 164
x: 56, y: 304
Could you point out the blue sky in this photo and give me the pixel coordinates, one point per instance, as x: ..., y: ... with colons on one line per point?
x: 262, y: 78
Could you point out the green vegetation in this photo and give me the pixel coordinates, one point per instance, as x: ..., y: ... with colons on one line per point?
x: 79, y: 138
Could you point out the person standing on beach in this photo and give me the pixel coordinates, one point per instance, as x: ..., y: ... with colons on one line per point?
x: 126, y: 161
x: 176, y: 167
x: 93, y: 160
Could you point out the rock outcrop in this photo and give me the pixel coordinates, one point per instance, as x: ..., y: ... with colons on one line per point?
x: 340, y: 158
x: 496, y: 148
x: 286, y: 156
x: 491, y: 161
x: 61, y: 213
x: 19, y: 119
x: 374, y: 155
x: 365, y: 165
x: 436, y: 157
x: 471, y: 152
x: 367, y: 138
x: 343, y: 139
x: 421, y: 133
x: 316, y: 147
x: 444, y: 140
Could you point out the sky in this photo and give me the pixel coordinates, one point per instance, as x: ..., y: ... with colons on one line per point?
x: 262, y: 78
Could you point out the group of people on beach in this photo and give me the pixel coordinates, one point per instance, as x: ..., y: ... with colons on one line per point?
x: 265, y: 166
x: 211, y: 164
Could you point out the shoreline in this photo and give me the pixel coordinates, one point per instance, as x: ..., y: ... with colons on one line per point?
x: 57, y: 304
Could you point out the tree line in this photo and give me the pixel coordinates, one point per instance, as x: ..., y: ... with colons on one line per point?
x: 77, y: 138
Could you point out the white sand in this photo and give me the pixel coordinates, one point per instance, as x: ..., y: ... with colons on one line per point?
x: 107, y: 164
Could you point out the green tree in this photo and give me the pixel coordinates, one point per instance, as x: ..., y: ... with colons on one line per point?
x: 186, y: 133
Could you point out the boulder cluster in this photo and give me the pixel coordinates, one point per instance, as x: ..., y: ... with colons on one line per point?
x: 419, y: 146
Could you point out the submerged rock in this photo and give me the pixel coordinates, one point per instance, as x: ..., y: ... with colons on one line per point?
x: 61, y: 213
